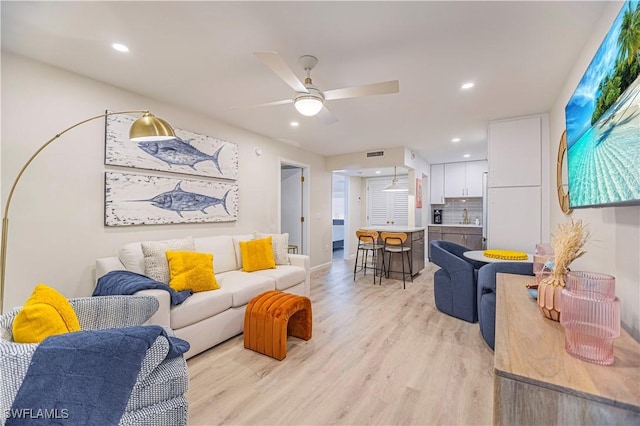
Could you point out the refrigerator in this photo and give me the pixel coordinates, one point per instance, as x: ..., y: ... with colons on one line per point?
x: 485, y: 208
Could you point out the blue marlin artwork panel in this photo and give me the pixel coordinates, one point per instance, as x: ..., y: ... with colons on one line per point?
x: 189, y: 153
x: 133, y: 199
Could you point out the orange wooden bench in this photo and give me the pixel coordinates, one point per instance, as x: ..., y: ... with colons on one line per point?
x: 271, y: 316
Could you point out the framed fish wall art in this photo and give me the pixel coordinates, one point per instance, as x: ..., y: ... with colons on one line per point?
x: 133, y: 199
x: 189, y: 153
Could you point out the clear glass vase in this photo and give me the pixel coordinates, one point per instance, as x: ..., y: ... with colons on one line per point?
x: 590, y: 316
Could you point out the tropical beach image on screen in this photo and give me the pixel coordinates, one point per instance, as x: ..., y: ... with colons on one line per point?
x: 132, y: 199
x: 603, y: 120
x: 189, y: 153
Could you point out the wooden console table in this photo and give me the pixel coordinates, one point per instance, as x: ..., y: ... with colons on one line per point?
x: 537, y: 382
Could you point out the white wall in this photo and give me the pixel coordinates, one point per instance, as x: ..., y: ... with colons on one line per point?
x: 614, y: 247
x: 56, y: 218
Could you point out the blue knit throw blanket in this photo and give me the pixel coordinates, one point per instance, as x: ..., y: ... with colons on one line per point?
x: 86, y: 377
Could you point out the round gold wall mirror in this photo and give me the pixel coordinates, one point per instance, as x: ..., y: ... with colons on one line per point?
x: 563, y: 195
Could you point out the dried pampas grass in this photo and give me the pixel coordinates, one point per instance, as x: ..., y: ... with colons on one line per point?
x: 567, y: 245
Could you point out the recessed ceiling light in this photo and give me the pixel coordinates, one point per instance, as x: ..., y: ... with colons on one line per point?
x: 466, y: 156
x: 455, y: 140
x: 468, y: 85
x: 294, y: 124
x: 378, y: 172
x: 120, y: 47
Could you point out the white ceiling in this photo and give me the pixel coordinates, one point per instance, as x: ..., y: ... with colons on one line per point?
x: 199, y: 55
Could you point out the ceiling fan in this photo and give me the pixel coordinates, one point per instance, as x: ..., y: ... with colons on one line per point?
x: 308, y: 99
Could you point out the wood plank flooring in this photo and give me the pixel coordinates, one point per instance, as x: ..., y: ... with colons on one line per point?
x: 379, y: 355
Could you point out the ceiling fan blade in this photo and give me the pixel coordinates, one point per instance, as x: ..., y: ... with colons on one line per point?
x: 327, y: 116
x: 273, y: 61
x: 285, y: 101
x: 383, y: 88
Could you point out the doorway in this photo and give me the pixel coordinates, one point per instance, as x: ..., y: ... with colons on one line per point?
x: 339, y: 208
x: 294, y: 204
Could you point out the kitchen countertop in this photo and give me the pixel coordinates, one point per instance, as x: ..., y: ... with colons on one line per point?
x: 395, y: 228
x: 470, y: 225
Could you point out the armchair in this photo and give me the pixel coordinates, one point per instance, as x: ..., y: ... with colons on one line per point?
x: 454, y: 285
x: 487, y: 294
x: 158, y: 395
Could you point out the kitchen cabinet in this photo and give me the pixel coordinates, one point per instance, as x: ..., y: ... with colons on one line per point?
x: 417, y: 251
x: 415, y: 240
x: 515, y: 152
x: 433, y: 233
x: 516, y: 190
x: 437, y: 184
x: 464, y: 179
x: 468, y: 236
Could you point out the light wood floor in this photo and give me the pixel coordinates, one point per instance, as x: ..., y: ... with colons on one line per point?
x: 379, y: 355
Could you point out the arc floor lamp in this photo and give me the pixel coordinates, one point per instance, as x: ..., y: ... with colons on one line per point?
x: 147, y: 127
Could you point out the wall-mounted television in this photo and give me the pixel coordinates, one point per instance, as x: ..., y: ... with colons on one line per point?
x: 603, y: 120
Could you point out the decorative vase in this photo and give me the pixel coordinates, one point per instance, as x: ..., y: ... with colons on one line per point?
x: 590, y: 316
x: 549, y: 294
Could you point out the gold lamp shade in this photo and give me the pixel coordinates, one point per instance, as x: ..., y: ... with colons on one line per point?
x: 150, y: 128
x: 146, y: 128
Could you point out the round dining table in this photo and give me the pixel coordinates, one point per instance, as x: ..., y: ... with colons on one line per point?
x: 480, y: 257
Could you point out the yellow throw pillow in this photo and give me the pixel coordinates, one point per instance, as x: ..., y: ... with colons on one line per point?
x: 257, y: 255
x: 46, y: 313
x: 191, y: 271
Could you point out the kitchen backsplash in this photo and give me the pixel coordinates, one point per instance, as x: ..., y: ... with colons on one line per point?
x: 452, y: 210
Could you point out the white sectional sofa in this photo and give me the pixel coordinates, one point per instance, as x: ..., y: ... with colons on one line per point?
x: 211, y: 317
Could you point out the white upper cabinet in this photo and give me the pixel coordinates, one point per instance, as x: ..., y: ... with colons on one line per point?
x: 515, y: 152
x: 437, y: 184
x: 474, y: 172
x: 464, y: 179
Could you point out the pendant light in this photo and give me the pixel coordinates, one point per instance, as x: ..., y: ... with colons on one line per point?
x: 394, y: 187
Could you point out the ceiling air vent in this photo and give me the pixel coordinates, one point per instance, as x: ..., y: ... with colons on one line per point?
x: 371, y: 154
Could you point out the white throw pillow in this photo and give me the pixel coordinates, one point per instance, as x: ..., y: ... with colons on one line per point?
x: 280, y: 245
x: 156, y: 265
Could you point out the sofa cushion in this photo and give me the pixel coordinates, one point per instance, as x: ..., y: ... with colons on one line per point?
x: 200, y: 306
x: 46, y: 313
x: 223, y: 251
x: 156, y: 265
x: 132, y: 257
x: 244, y: 285
x: 280, y: 245
x: 257, y: 255
x: 190, y: 270
x: 285, y: 276
x: 236, y: 247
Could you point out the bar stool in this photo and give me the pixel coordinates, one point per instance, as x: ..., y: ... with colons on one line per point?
x: 367, y: 242
x: 394, y: 244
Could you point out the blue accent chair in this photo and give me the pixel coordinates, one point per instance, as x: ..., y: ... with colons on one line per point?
x: 454, y: 285
x: 487, y: 294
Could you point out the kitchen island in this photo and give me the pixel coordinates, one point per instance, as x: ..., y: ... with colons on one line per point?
x: 415, y: 240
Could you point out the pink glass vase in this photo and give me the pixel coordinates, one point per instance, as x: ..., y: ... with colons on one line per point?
x: 590, y: 316
x: 542, y: 261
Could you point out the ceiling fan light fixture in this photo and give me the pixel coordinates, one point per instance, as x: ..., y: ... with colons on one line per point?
x: 308, y: 105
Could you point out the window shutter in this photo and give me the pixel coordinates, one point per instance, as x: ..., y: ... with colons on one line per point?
x: 377, y: 205
x: 400, y: 205
x: 386, y: 206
